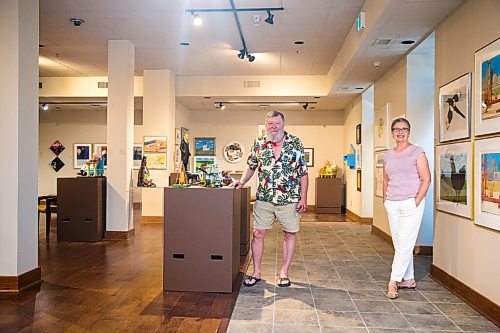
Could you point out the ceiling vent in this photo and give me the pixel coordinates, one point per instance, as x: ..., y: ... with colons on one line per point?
x: 102, y: 84
x: 251, y: 84
x: 382, y: 43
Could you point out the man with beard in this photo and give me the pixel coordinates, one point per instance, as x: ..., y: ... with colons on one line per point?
x: 281, y: 194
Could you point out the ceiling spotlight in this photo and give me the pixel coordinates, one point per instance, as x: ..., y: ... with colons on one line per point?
x: 197, y: 19
x: 305, y: 106
x: 251, y: 58
x: 77, y: 21
x: 221, y: 106
x: 242, y: 54
x: 45, y: 106
x: 270, y: 17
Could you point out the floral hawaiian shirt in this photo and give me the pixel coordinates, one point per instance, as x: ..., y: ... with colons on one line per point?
x: 279, y: 179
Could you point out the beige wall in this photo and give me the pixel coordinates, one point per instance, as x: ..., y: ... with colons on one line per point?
x: 353, y: 117
x: 462, y: 249
x: 390, y: 88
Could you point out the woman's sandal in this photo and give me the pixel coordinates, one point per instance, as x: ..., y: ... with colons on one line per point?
x: 252, y: 281
x: 284, y: 282
x: 407, y: 284
x: 392, y: 290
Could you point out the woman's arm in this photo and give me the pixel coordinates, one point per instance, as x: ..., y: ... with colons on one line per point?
x: 425, y: 177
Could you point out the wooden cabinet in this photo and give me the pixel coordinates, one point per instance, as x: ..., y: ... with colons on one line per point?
x: 328, y: 195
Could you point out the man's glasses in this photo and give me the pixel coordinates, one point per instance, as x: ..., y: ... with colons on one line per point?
x: 401, y: 130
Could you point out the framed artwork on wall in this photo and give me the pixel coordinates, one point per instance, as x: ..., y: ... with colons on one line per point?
x: 358, y: 180
x: 309, y: 155
x: 454, y: 172
x: 81, y: 153
x: 379, y: 181
x: 358, y: 134
x: 487, y: 180
x: 57, y: 147
x: 101, y: 149
x: 137, y: 156
x: 156, y: 161
x: 487, y: 89
x: 455, y: 109
x: 177, y: 158
x: 203, y: 161
x: 381, y: 130
x: 178, y: 136
x: 155, y: 144
x: 379, y: 158
x: 204, y: 146
x: 184, y: 131
x: 359, y: 156
x: 233, y: 152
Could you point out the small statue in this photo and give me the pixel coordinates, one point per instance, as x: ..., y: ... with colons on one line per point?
x: 143, y: 179
x: 329, y: 170
x: 185, y: 151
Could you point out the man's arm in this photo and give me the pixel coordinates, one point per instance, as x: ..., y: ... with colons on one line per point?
x: 304, y: 185
x: 247, y: 174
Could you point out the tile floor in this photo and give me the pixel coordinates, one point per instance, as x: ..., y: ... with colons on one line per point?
x: 339, y: 276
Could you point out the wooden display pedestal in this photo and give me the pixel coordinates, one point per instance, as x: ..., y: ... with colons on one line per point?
x: 328, y: 195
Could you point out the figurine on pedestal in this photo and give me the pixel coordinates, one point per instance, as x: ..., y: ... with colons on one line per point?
x: 143, y: 179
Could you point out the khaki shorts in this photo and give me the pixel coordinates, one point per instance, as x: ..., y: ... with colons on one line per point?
x: 265, y: 213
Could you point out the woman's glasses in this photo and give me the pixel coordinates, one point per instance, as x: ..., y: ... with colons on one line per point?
x: 401, y: 130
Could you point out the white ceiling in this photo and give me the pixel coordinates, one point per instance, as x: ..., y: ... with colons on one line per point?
x: 156, y: 27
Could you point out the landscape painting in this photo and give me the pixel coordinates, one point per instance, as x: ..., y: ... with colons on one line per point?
x: 454, y: 172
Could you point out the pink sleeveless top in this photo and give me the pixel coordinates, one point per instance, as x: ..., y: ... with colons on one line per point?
x: 401, y: 167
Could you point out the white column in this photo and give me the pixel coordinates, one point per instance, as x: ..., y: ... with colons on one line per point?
x: 158, y: 120
x: 367, y: 171
x: 120, y: 135
x: 18, y: 137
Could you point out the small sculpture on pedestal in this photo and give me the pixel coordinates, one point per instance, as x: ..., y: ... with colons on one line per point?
x: 143, y: 179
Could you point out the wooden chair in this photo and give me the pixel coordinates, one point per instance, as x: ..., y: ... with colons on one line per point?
x: 47, y: 205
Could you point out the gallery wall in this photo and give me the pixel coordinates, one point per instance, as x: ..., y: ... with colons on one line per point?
x: 463, y: 249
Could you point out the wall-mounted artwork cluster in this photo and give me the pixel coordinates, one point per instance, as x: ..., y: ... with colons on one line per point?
x: 57, y: 148
x: 155, y: 150
x: 454, y: 157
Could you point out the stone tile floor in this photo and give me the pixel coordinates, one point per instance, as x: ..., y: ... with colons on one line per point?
x: 339, y: 276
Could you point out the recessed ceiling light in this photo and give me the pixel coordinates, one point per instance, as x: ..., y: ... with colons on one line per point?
x: 207, y: 97
x: 299, y: 42
x: 407, y: 42
x: 184, y: 44
x: 359, y: 88
x: 317, y: 97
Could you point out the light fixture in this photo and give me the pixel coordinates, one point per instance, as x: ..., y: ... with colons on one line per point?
x: 270, y: 17
x: 220, y: 105
x: 45, y: 106
x: 250, y: 57
x: 242, y: 54
x: 197, y: 19
x: 262, y: 104
x: 305, y: 106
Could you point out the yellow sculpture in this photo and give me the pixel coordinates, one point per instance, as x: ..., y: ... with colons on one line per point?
x: 329, y: 170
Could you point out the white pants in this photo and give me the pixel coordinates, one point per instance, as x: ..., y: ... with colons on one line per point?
x: 404, y: 221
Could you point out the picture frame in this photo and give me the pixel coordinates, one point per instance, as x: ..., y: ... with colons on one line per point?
x: 455, y: 109
x: 454, y: 176
x: 487, y: 180
x: 137, y: 155
x: 156, y: 161
x: 204, y: 146
x: 359, y: 155
x: 177, y: 158
x: 358, y: 180
x: 184, y: 131
x: 155, y: 144
x: 57, y: 147
x: 379, y: 158
x: 487, y: 90
x: 203, y: 161
x: 358, y: 134
x: 101, y: 149
x: 379, y: 181
x: 178, y: 136
x: 309, y: 156
x: 81, y: 153
x: 233, y: 152
x: 381, y: 127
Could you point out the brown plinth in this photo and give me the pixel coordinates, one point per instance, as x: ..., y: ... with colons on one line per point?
x: 119, y: 235
x: 201, y: 239
x: 15, y: 284
x: 81, y: 208
x: 328, y: 195
x: 246, y: 228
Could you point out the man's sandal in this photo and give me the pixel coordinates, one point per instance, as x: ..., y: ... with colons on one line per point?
x: 392, y: 290
x: 252, y: 281
x: 284, y: 282
x: 407, y: 284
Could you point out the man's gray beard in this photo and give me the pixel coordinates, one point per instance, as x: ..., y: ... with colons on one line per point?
x: 277, y: 137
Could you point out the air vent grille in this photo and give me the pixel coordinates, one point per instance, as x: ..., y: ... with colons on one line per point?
x: 251, y: 84
x: 102, y: 84
x: 382, y: 42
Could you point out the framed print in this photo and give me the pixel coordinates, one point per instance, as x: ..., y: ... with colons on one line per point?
x: 358, y: 180
x: 379, y: 181
x: 101, y: 149
x: 155, y: 144
x: 56, y: 164
x: 233, y: 152
x: 487, y: 180
x: 203, y: 161
x: 455, y: 109
x: 57, y: 147
x: 81, y: 154
x: 177, y: 158
x: 379, y: 158
x: 487, y: 89
x: 358, y: 156
x: 381, y: 127
x: 358, y: 134
x: 204, y: 146
x: 178, y: 136
x: 454, y: 172
x: 309, y: 155
x: 137, y: 156
x: 156, y: 161
x: 184, y: 131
